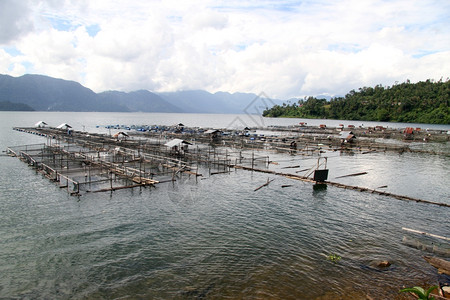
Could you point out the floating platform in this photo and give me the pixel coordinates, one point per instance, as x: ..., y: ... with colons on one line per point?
x: 89, y: 162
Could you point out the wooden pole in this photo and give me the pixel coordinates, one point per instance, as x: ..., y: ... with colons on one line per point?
x: 265, y: 184
x: 253, y: 159
x: 426, y: 233
x: 351, y: 175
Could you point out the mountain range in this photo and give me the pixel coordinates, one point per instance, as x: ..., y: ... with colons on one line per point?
x: 43, y: 93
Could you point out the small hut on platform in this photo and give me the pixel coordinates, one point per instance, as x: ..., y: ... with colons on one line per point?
x: 408, y: 133
x: 120, y: 136
x: 214, y: 134
x: 347, y: 136
x: 40, y: 124
x: 178, y: 128
x: 178, y: 146
x: 65, y: 126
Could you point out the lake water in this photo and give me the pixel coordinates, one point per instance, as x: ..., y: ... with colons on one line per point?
x: 216, y: 238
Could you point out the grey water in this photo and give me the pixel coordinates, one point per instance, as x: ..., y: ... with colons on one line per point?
x: 216, y: 238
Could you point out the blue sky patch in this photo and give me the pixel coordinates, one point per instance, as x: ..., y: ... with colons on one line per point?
x: 13, y: 51
x: 423, y: 53
x: 28, y: 67
x: 240, y: 47
x: 347, y: 48
x: 92, y: 30
x: 60, y: 24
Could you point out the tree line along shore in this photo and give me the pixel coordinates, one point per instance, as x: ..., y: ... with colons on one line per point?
x: 421, y: 102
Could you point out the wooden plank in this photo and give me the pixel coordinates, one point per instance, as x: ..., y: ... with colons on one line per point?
x: 340, y: 185
x: 142, y: 180
x: 303, y: 170
x: 265, y: 184
x: 442, y: 265
x: 222, y: 172
x: 119, y: 188
x: 351, y: 175
x: 382, y: 187
x: 426, y: 233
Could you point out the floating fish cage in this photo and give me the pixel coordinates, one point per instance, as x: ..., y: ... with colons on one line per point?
x: 92, y: 162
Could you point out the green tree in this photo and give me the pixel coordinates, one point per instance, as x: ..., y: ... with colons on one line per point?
x: 421, y: 102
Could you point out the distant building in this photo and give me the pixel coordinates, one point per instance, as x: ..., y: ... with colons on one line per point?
x: 40, y: 124
x: 64, y: 126
x: 178, y: 146
x: 409, y: 133
x: 347, y: 136
x: 214, y: 134
x: 120, y: 135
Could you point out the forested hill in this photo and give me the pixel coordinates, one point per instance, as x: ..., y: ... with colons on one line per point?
x: 6, y: 105
x: 422, y: 102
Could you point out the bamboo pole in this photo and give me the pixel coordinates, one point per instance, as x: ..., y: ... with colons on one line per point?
x: 265, y: 184
x: 426, y: 233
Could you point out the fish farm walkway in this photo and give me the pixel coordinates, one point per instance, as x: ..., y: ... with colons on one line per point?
x: 84, y: 162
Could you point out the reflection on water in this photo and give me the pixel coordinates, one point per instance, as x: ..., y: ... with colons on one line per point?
x: 217, y: 238
x: 319, y: 187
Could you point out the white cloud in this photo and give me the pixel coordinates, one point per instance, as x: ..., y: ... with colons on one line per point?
x: 207, y: 19
x: 14, y: 20
x: 283, y: 48
x: 11, y: 63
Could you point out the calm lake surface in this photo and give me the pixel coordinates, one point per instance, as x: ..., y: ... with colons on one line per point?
x: 216, y: 238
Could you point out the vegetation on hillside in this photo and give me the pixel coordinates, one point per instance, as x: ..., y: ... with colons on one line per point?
x: 422, y: 102
x: 8, y: 106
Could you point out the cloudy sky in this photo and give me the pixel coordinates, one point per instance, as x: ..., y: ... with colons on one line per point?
x: 282, y: 48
